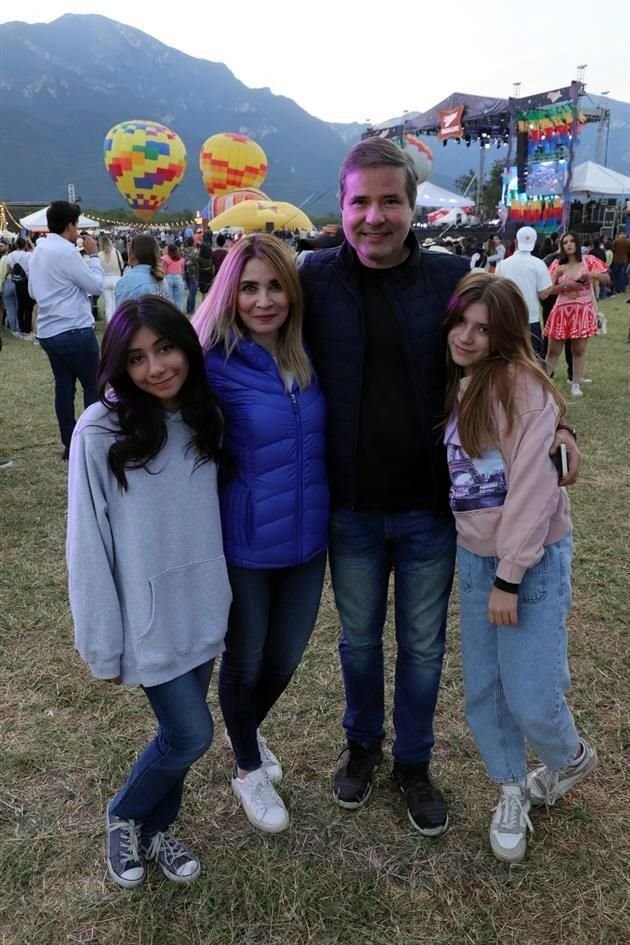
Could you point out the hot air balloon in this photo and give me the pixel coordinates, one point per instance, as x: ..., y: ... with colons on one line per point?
x: 231, y: 162
x: 146, y: 161
x: 421, y: 155
x: 219, y: 204
x: 257, y: 215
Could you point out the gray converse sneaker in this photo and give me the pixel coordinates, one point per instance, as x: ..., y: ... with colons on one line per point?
x: 175, y: 860
x: 547, y: 787
x: 125, y: 862
x: 508, y: 831
x: 263, y: 806
x: 267, y: 758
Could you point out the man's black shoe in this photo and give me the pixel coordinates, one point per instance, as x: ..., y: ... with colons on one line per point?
x: 426, y: 807
x: 352, y: 784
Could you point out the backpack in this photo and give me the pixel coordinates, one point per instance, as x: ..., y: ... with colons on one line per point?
x: 18, y: 274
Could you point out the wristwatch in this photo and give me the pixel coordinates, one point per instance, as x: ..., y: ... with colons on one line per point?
x: 569, y: 429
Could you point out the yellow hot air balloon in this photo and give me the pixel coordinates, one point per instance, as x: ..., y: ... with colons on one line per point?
x: 256, y: 215
x: 146, y: 161
x: 219, y: 204
x: 231, y: 161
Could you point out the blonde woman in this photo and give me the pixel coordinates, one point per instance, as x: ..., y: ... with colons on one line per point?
x: 274, y: 499
x: 112, y: 263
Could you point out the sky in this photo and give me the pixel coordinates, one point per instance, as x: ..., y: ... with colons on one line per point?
x: 359, y: 60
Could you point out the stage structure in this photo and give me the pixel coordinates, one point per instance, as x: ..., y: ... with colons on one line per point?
x: 540, y: 132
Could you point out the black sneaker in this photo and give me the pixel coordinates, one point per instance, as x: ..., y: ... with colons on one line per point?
x: 352, y: 784
x: 124, y: 859
x: 426, y: 807
x: 176, y: 861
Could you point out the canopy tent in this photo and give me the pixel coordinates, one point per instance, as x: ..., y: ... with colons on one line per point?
x: 430, y: 195
x: 258, y: 215
x: 592, y: 178
x: 37, y: 223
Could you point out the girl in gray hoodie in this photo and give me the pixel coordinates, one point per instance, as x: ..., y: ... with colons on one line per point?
x: 148, y: 582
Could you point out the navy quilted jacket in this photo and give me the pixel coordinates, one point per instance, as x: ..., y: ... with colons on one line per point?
x: 274, y: 506
x: 418, y: 294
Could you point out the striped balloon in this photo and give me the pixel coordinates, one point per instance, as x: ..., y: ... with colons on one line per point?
x: 231, y: 161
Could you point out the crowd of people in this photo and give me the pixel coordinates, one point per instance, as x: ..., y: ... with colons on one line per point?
x: 382, y: 407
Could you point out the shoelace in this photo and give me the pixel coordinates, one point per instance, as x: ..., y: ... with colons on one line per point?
x: 512, y: 811
x: 166, y: 846
x: 360, y: 762
x: 129, y: 840
x: 551, y: 788
x: 265, y: 794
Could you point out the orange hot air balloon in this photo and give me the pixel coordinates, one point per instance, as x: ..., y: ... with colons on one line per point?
x: 421, y: 156
x: 146, y: 161
x: 231, y: 161
x: 219, y: 204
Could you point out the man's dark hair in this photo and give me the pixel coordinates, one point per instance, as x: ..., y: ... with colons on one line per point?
x: 60, y: 213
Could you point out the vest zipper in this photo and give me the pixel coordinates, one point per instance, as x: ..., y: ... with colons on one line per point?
x: 300, y: 478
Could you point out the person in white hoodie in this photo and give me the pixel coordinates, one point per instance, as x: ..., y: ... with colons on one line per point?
x: 148, y: 583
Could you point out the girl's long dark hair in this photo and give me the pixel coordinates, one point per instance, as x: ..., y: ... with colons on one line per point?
x: 140, y: 415
x: 146, y: 251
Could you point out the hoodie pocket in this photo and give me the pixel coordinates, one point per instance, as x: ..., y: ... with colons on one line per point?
x: 189, y: 610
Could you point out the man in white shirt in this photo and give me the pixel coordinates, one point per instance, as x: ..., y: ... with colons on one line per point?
x: 60, y: 281
x: 532, y: 277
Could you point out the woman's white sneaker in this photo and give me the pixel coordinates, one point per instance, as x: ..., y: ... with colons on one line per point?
x: 547, y: 787
x: 263, y: 806
x: 267, y: 758
x: 508, y: 831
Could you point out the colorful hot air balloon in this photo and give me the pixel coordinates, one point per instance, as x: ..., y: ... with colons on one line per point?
x: 421, y: 155
x: 219, y: 204
x: 231, y: 162
x: 146, y: 161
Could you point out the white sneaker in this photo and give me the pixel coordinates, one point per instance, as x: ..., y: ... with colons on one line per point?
x: 576, y: 390
x: 547, y: 787
x: 585, y: 380
x: 268, y: 760
x: 263, y: 806
x: 508, y: 831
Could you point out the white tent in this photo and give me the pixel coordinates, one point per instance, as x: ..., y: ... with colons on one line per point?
x: 591, y: 178
x: 37, y: 222
x: 430, y: 195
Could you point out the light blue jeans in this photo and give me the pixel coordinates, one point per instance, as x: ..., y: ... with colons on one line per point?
x: 515, y: 678
x: 178, y: 290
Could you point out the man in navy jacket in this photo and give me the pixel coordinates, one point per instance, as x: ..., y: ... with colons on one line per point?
x: 374, y: 308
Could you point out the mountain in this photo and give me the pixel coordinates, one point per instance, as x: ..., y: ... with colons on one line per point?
x: 64, y: 84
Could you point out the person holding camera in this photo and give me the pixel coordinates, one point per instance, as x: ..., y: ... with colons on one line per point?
x: 61, y: 283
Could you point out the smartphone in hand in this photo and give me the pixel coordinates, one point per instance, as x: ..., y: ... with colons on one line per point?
x: 560, y: 461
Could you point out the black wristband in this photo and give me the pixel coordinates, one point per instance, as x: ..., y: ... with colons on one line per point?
x: 506, y: 586
x: 569, y: 429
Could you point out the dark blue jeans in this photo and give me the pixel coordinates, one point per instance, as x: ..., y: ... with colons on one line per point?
x: 618, y: 274
x: 192, y: 296
x: 73, y: 357
x: 271, y: 620
x: 153, y: 792
x: 364, y: 548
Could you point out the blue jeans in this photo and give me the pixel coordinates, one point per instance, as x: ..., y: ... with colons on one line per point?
x: 192, y: 296
x: 618, y: 274
x: 271, y: 621
x: 9, y: 299
x: 177, y: 287
x: 73, y: 356
x: 153, y: 792
x: 364, y: 548
x: 515, y: 678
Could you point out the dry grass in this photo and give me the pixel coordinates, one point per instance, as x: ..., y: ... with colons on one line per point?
x: 66, y: 742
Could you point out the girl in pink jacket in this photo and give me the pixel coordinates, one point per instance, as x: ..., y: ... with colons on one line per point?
x: 514, y: 555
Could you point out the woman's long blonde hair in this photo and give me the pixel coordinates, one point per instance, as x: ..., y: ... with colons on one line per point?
x: 492, y: 379
x: 106, y: 246
x: 217, y: 320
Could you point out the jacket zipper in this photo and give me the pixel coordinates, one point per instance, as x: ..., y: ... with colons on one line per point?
x: 300, y: 480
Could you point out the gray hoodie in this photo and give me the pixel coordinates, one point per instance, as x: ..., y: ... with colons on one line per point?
x: 148, y: 584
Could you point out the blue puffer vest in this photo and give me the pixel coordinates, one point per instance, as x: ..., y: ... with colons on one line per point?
x: 274, y: 505
x: 334, y: 330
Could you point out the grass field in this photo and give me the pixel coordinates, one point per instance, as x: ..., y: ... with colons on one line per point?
x: 334, y: 878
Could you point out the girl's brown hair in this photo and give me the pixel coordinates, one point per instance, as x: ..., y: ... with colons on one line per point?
x: 217, y: 320
x: 493, y: 378
x: 146, y: 251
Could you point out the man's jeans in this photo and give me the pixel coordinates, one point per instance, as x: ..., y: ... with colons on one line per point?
x: 153, y: 792
x: 515, y: 678
x: 271, y: 621
x: 73, y: 356
x: 364, y: 548
x: 191, y: 302
x: 9, y: 298
x: 618, y: 274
